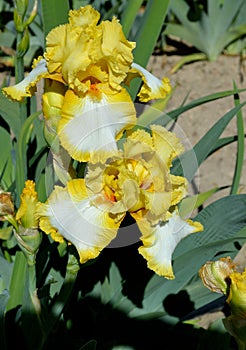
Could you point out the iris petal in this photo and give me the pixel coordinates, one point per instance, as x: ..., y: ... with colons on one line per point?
x: 26, y: 87
x: 69, y: 212
x: 152, y: 86
x: 159, y: 242
x: 90, y: 126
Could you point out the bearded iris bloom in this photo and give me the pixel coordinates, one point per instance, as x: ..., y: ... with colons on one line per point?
x: 88, y: 211
x: 88, y: 68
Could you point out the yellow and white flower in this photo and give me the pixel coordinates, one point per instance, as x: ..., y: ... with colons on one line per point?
x: 92, y: 62
x: 88, y: 212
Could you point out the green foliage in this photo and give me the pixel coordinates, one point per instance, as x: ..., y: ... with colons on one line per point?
x: 54, y: 13
x: 8, y: 34
x: 210, y: 28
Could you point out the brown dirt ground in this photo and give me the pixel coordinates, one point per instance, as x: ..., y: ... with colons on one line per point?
x: 196, y: 80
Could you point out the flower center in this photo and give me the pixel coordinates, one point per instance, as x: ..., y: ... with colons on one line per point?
x: 125, y: 181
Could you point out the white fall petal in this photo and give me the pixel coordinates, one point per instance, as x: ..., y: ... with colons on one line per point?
x: 24, y: 88
x: 69, y: 211
x: 159, y: 242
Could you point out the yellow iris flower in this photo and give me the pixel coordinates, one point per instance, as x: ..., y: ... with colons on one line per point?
x: 88, y: 212
x: 88, y: 63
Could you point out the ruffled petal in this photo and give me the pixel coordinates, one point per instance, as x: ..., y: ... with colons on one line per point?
x: 68, y: 211
x: 160, y: 241
x: 166, y: 144
x: 117, y: 51
x: 90, y: 126
x: 26, y: 87
x: 152, y: 87
x: 83, y: 17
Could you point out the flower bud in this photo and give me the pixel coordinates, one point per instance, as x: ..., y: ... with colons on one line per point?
x: 23, y: 45
x: 21, y: 7
x: 18, y: 21
x: 214, y: 274
x: 29, y: 241
x: 26, y: 212
x: 32, y: 14
x: 6, y: 204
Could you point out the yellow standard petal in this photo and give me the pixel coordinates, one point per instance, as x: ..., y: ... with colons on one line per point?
x: 117, y: 51
x: 26, y: 87
x: 166, y: 143
x: 160, y: 241
x: 90, y: 126
x: 80, y: 49
x: 152, y: 87
x: 69, y: 212
x: 68, y: 46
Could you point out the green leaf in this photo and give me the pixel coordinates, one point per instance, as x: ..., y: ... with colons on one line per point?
x: 110, y: 291
x: 188, y: 163
x: 173, y: 115
x: 17, y: 283
x: 5, y: 232
x: 61, y: 299
x: 222, y: 142
x: 5, y: 274
x: 31, y: 312
x: 240, y: 148
x: 7, y: 39
x: 211, y: 32
x: 6, y: 164
x: 193, y: 202
x: 222, y: 221
x: 4, y: 297
x: 91, y: 345
x: 130, y: 13
x: 21, y: 156
x: 149, y: 117
x: 54, y: 12
x: 10, y: 111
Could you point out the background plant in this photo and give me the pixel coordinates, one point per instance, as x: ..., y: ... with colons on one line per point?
x: 211, y: 27
x: 113, y: 301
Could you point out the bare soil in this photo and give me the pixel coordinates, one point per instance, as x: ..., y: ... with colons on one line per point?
x: 196, y: 80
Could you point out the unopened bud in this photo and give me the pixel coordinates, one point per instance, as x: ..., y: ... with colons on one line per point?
x: 26, y: 212
x: 214, y: 274
x: 6, y: 204
x: 21, y: 7
x: 32, y: 14
x: 29, y: 241
x: 23, y: 45
x: 18, y: 21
